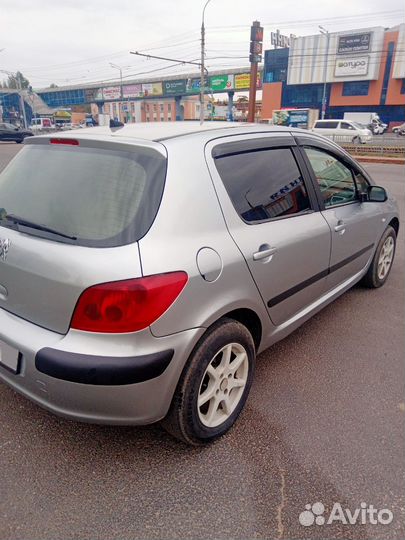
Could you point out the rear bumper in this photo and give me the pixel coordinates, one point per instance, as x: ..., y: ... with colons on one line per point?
x: 97, y: 378
x: 101, y: 370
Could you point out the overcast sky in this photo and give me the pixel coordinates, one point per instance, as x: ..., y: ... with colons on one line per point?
x: 73, y: 41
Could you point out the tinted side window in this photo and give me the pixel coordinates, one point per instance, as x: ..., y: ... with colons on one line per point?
x: 326, y: 125
x: 335, y: 180
x: 264, y: 184
x: 345, y: 125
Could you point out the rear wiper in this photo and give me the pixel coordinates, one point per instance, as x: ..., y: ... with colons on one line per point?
x: 21, y: 221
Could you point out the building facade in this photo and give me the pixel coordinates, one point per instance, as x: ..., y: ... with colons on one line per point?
x: 363, y: 71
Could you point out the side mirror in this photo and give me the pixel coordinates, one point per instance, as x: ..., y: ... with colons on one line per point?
x: 377, y: 194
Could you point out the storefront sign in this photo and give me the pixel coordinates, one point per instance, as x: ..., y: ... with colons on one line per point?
x: 350, y: 67
x: 242, y: 81
x: 221, y: 83
x: 133, y: 91
x: 172, y: 88
x: 356, y: 43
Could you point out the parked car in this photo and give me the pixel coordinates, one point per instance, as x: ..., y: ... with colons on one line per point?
x: 399, y: 130
x: 343, y: 131
x: 9, y: 132
x: 41, y: 124
x: 377, y: 127
x: 157, y: 262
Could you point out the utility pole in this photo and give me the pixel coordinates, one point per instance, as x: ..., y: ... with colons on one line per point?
x: 256, y: 46
x: 202, y: 81
x: 324, y: 32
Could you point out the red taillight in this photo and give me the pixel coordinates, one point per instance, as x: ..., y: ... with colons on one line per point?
x: 72, y: 142
x: 129, y: 305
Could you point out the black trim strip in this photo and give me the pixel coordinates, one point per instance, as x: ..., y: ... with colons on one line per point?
x: 310, y: 281
x: 350, y: 259
x: 101, y: 370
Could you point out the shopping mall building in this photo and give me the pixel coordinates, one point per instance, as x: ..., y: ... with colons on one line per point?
x: 362, y: 70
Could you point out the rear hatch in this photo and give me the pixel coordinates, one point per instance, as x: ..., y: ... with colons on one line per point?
x: 71, y: 213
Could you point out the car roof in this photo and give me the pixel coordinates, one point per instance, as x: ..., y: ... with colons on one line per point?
x: 160, y: 131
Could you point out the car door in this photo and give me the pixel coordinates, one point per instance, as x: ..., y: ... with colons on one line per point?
x: 348, y: 132
x: 10, y: 132
x: 272, y: 214
x: 354, y: 224
x: 3, y: 132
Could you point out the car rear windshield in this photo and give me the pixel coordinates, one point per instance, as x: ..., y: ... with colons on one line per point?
x: 95, y: 196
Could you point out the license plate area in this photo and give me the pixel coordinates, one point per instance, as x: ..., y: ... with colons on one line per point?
x: 9, y: 357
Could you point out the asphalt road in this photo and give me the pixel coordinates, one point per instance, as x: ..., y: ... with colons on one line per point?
x: 324, y: 422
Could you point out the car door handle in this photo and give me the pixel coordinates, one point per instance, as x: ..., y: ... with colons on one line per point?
x: 264, y: 252
x: 340, y: 227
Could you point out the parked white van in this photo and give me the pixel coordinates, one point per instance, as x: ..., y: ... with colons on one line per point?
x: 39, y: 124
x: 343, y: 131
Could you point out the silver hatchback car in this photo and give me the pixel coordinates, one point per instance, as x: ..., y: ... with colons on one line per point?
x: 143, y: 268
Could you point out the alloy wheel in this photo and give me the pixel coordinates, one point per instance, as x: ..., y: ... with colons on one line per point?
x: 222, y: 385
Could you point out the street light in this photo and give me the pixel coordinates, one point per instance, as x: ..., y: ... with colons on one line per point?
x: 120, y: 70
x: 324, y: 32
x: 202, y: 82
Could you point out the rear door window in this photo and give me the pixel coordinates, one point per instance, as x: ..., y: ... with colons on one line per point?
x: 264, y: 184
x: 100, y: 197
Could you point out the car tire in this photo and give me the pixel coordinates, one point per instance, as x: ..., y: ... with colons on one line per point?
x: 380, y: 266
x: 19, y: 141
x: 208, y: 400
x: 356, y: 140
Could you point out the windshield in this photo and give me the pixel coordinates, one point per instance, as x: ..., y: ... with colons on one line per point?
x: 98, y: 197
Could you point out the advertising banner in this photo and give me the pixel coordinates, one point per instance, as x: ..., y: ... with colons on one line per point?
x: 152, y: 89
x: 98, y: 95
x: 349, y: 67
x: 112, y: 92
x: 193, y: 86
x: 242, y: 81
x: 89, y: 95
x: 172, y: 88
x: 132, y: 91
x: 220, y: 83
x: 356, y: 43
x: 292, y: 118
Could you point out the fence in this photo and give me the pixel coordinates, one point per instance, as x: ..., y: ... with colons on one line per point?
x: 389, y: 145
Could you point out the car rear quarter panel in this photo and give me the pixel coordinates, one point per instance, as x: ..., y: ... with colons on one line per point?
x: 188, y: 220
